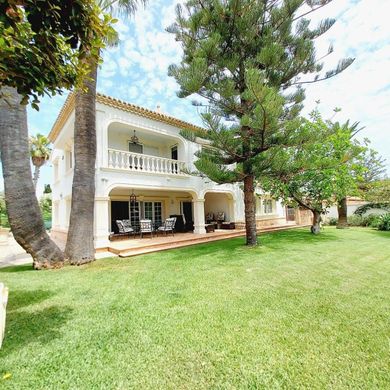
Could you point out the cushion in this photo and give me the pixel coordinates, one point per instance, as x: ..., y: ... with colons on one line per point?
x: 127, y: 223
x: 209, y: 216
x: 220, y: 216
x: 120, y: 225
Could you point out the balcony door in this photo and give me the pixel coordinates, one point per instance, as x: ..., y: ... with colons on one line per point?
x: 136, y: 148
x: 174, y: 156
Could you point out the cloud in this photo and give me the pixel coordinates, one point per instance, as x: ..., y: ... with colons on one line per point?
x: 136, y: 70
x: 363, y: 89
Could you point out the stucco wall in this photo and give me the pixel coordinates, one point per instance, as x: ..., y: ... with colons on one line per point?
x: 158, y: 138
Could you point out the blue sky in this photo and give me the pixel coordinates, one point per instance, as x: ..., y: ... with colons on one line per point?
x: 136, y: 70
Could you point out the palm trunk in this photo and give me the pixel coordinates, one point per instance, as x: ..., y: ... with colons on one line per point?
x: 36, y: 176
x: 250, y: 210
x: 23, y: 210
x: 80, y: 242
x: 342, y: 210
x: 316, y: 227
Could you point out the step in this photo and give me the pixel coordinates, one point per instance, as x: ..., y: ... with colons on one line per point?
x: 194, y: 241
x: 147, y: 245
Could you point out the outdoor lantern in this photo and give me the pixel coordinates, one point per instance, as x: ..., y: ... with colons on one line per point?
x: 134, y: 139
x: 133, y: 197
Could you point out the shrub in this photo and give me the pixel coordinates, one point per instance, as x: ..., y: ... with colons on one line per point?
x: 332, y: 221
x: 384, y: 222
x: 371, y: 220
x: 374, y: 205
x: 355, y: 220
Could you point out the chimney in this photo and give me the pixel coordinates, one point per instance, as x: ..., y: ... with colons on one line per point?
x: 158, y: 109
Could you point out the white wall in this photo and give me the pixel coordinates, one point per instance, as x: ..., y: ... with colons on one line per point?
x: 108, y: 179
x: 218, y: 202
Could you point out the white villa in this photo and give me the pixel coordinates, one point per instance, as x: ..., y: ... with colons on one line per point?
x: 140, y: 153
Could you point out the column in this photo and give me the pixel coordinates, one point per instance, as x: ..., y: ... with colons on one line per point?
x: 102, y: 226
x: 199, y: 221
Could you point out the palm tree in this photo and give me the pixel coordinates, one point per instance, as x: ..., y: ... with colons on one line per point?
x: 21, y: 201
x: 80, y: 245
x: 40, y: 153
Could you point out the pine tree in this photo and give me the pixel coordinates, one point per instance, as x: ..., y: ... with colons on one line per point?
x: 248, y: 60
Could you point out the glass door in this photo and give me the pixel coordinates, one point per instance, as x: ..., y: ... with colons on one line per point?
x: 153, y: 211
x: 134, y: 214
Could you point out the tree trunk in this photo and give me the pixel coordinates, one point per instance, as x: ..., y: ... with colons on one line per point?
x: 342, y: 210
x: 80, y: 242
x: 36, y: 176
x: 316, y: 227
x: 24, y: 215
x: 250, y: 210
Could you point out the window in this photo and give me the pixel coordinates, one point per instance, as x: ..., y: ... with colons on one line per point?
x: 68, y: 160
x: 268, y: 206
x: 174, y: 155
x: 134, y: 214
x: 158, y: 213
x: 153, y: 211
x: 136, y: 148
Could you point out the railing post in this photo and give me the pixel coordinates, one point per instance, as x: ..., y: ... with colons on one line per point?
x: 132, y: 162
x: 135, y: 162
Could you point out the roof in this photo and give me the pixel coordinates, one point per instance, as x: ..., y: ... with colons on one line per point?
x: 69, y: 106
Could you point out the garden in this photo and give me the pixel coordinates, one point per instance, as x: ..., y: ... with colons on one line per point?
x: 300, y: 311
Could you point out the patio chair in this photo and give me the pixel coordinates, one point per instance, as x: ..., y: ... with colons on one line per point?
x: 124, y: 227
x: 220, y: 216
x: 146, y: 227
x: 209, y: 217
x: 168, y: 226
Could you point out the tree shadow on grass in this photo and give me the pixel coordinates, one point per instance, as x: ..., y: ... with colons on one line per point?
x: 18, y: 299
x: 38, y: 327
x: 208, y: 249
x: 17, y: 268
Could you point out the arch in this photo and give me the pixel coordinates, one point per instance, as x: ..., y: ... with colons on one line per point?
x: 217, y: 202
x: 110, y: 187
x: 145, y: 128
x: 230, y: 193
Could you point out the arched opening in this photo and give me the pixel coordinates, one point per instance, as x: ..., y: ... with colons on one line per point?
x: 219, y: 209
x: 132, y: 139
x: 156, y: 205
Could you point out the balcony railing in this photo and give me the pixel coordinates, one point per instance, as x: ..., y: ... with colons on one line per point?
x: 118, y: 159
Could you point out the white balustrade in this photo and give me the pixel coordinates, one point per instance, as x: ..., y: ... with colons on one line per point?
x: 118, y: 159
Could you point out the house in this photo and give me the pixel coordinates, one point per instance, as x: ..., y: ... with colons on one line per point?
x: 140, y: 173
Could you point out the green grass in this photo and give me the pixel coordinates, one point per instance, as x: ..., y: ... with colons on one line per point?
x: 298, y: 312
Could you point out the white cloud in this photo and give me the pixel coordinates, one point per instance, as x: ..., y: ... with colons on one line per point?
x: 362, y: 90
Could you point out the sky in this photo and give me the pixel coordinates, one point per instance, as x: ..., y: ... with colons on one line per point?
x: 136, y: 70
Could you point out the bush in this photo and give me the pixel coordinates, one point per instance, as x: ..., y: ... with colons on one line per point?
x: 332, y: 221
x: 384, y: 222
x: 355, y: 220
x: 371, y: 220
x: 363, y: 209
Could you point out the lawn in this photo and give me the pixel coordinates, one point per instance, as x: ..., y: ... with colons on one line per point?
x: 297, y: 312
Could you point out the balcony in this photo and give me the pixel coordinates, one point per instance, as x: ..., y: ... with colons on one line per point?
x: 118, y: 159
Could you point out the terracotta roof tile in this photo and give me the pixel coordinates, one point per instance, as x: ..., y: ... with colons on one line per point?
x: 68, y: 107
